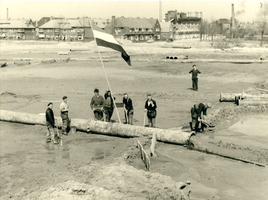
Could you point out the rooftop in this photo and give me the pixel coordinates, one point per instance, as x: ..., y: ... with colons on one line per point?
x: 16, y: 23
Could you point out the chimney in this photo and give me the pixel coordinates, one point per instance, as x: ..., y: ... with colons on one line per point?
x: 7, y: 13
x: 175, y: 17
x: 160, y: 11
x: 233, y: 22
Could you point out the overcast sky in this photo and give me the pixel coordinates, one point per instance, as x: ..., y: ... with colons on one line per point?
x: 246, y: 10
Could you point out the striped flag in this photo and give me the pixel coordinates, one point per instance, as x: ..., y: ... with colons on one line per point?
x: 107, y: 40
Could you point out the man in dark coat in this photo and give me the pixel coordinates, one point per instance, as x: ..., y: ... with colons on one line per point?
x: 96, y: 105
x: 128, y: 109
x: 195, y: 73
x: 50, y: 121
x: 150, y: 108
x: 198, y: 114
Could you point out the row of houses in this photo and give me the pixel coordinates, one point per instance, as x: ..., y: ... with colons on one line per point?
x: 50, y: 29
x: 72, y: 29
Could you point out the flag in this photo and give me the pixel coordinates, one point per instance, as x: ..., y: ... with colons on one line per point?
x: 107, y: 40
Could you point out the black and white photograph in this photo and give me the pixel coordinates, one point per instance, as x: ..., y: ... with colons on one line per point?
x: 134, y: 100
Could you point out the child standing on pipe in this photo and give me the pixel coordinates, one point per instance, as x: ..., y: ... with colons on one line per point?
x: 96, y: 104
x: 108, y: 105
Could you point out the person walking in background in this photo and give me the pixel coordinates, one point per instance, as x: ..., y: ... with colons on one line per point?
x: 64, y: 109
x: 195, y: 73
x: 196, y: 113
x: 128, y: 109
x: 150, y: 108
x: 108, y: 105
x: 96, y: 105
x: 50, y: 121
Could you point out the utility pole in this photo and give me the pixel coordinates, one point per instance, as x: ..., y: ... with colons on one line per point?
x: 160, y: 11
x: 233, y: 22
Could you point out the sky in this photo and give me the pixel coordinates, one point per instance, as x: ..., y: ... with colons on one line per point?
x: 212, y: 10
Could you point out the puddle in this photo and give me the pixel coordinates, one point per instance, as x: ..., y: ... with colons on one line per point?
x: 251, y: 125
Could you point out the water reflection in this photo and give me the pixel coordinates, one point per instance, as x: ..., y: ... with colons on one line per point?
x: 251, y: 125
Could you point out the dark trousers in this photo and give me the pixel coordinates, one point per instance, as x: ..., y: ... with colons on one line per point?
x: 195, y: 124
x: 108, y: 113
x: 195, y: 83
x: 129, y: 116
x: 98, y: 114
x: 65, y: 123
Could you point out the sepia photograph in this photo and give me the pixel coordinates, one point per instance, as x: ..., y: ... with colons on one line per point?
x: 134, y: 100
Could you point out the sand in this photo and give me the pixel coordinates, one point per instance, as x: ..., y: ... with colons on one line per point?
x: 30, y: 168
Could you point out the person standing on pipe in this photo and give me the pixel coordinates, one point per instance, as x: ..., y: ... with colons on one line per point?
x: 64, y: 109
x: 196, y: 113
x: 150, y: 108
x: 194, y: 73
x: 50, y: 121
x: 128, y: 109
x: 108, y: 105
x: 96, y: 104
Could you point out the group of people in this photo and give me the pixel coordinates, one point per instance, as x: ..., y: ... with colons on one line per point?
x: 50, y: 121
x: 105, y: 105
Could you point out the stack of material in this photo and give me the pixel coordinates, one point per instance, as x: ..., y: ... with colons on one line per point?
x: 244, y: 98
x: 260, y: 99
x: 229, y: 97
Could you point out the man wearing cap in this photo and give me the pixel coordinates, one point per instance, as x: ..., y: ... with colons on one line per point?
x: 150, y: 108
x: 50, y: 121
x: 196, y: 113
x: 128, y: 109
x: 195, y: 73
x: 64, y: 109
x: 96, y: 104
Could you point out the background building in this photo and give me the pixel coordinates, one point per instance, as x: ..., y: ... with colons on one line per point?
x: 134, y: 29
x: 185, y: 25
x: 69, y: 29
x: 19, y: 29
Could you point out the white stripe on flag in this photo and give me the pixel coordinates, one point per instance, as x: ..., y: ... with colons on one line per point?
x: 105, y: 36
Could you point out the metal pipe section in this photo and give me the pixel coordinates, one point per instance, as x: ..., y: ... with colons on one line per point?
x: 229, y: 97
x: 253, y: 102
x: 113, y: 129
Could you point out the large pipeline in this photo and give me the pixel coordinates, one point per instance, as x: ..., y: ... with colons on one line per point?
x: 113, y: 129
x: 234, y: 97
x: 253, y: 102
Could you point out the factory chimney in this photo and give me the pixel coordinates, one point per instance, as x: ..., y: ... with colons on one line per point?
x: 233, y: 22
x: 7, y: 13
x: 160, y: 11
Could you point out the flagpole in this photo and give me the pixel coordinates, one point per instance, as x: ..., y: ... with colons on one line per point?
x: 105, y: 74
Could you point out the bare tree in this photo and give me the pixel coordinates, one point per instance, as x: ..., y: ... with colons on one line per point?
x: 61, y: 24
x: 262, y: 19
x: 84, y: 22
x: 203, y: 28
x: 213, y: 29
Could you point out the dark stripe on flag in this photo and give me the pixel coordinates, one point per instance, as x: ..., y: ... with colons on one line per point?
x: 116, y: 47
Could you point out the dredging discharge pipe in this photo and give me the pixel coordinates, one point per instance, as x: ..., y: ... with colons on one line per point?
x: 106, y: 128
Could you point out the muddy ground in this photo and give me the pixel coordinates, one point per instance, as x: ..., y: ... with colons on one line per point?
x: 32, y: 169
